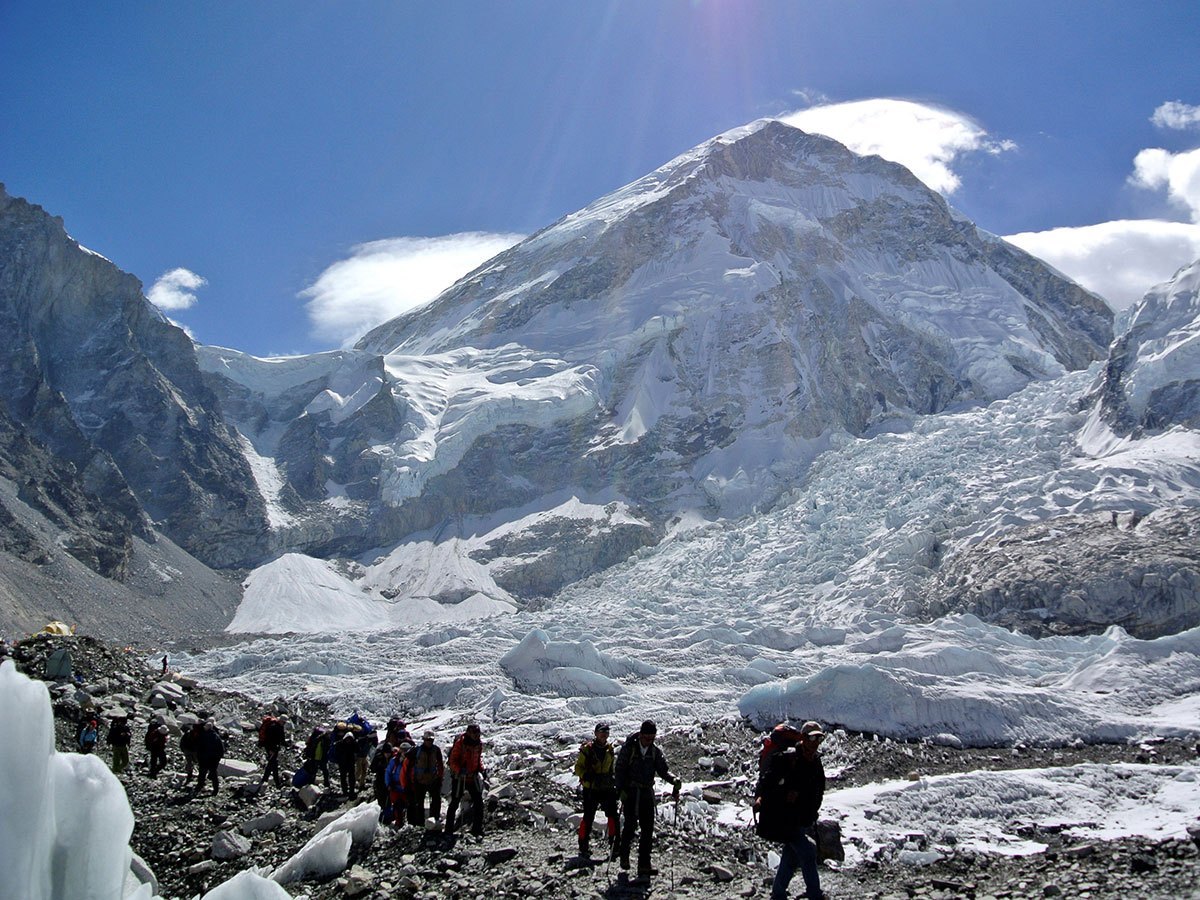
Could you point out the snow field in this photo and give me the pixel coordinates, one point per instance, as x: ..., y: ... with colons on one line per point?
x: 984, y: 810
x: 797, y: 612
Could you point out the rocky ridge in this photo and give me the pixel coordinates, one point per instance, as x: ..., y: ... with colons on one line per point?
x: 191, y: 843
x: 98, y: 377
x: 1080, y: 575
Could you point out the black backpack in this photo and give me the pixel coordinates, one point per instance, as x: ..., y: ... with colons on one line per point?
x: 774, y: 817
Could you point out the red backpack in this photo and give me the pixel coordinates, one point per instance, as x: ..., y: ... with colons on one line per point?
x: 781, y: 737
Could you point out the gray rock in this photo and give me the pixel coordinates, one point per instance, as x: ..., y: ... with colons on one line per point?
x: 357, y: 882
x: 720, y: 873
x: 229, y: 845
x: 266, y: 822
x: 556, y: 812
x: 309, y: 795
x: 236, y: 768
x: 500, y: 855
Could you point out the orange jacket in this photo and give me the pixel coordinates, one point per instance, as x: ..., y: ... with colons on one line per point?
x: 466, y: 757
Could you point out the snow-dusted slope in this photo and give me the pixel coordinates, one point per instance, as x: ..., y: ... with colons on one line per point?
x: 757, y: 293
x: 1152, y: 380
x: 804, y: 610
x: 685, y: 345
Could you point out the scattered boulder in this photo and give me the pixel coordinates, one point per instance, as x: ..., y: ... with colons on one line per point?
x: 229, y: 845
x: 268, y: 822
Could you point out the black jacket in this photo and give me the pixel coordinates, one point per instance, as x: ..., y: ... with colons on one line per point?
x: 634, y: 769
x: 791, y: 790
x: 209, y: 747
x: 119, y: 734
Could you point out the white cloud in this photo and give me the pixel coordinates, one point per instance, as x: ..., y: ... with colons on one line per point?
x: 1174, y: 114
x: 174, y: 289
x: 1120, y: 260
x: 1179, y: 173
x: 383, y: 279
x: 926, y: 139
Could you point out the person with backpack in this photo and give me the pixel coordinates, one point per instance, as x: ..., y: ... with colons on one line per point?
x: 156, y: 746
x: 119, y: 738
x: 344, y: 752
x: 594, y: 767
x: 637, y: 764
x: 365, y: 738
x: 271, y: 737
x: 379, y: 764
x: 426, y: 768
x: 89, y: 734
x: 188, y: 742
x: 317, y: 753
x: 467, y: 774
x: 210, y: 749
x: 787, y: 799
x: 395, y: 777
x: 397, y: 732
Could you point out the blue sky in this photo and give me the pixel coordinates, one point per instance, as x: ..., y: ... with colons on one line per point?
x: 297, y: 160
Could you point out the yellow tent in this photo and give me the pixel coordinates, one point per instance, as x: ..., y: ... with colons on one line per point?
x: 57, y: 628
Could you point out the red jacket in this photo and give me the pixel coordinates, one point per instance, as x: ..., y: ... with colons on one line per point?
x: 466, y: 756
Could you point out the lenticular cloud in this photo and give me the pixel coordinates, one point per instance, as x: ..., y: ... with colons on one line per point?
x: 383, y: 279
x: 925, y: 139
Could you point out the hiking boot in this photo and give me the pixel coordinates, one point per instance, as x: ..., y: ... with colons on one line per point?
x: 624, y: 862
x: 584, y: 852
x: 644, y: 873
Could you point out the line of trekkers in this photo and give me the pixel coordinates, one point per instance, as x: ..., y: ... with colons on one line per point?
x: 407, y: 779
x: 405, y: 776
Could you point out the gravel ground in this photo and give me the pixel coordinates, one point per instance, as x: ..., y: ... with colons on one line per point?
x: 527, y: 853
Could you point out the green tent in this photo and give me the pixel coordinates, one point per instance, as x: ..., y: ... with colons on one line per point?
x: 58, y: 666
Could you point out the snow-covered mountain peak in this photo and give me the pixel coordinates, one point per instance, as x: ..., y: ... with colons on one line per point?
x: 1150, y: 381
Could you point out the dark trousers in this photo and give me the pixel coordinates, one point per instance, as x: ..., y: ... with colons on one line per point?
x: 158, y: 760
x: 638, y: 812
x: 346, y: 778
x: 416, y: 802
x: 469, y: 784
x: 593, y: 800
x: 272, y: 767
x: 382, y: 797
x: 800, y: 850
x: 206, y: 771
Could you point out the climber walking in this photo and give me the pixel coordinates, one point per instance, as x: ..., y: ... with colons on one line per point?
x: 594, y: 767
x: 637, y: 764
x: 787, y: 799
x: 467, y: 774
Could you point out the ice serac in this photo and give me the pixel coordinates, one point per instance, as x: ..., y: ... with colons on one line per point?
x: 94, y: 374
x: 750, y: 297
x: 1132, y: 558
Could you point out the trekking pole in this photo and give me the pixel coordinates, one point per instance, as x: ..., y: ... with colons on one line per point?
x: 616, y: 847
x: 675, y: 829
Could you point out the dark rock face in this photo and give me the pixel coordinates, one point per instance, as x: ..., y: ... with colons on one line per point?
x: 1080, y: 575
x: 101, y: 379
x: 97, y: 533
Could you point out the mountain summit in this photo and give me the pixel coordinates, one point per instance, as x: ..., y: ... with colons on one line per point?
x: 760, y: 291
x: 682, y: 347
